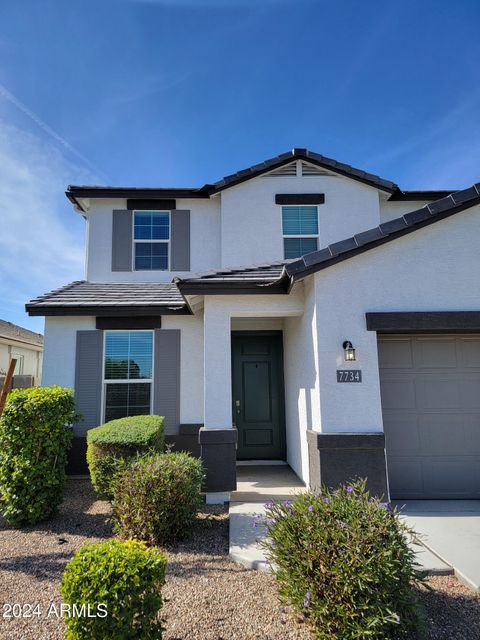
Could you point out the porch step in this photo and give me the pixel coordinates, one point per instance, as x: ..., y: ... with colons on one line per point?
x: 261, y: 483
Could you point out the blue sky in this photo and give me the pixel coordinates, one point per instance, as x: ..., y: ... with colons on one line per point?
x: 182, y: 92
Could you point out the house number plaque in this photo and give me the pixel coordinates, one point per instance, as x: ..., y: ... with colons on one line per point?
x: 349, y: 375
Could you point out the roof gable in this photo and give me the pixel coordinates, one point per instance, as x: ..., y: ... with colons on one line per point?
x: 385, y: 232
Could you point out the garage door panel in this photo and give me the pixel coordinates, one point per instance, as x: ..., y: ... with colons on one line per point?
x: 437, y: 392
x: 469, y: 352
x: 448, y: 476
x: 439, y: 433
x: 472, y: 432
x: 401, y: 433
x: 431, y: 413
x: 395, y: 354
x: 432, y: 353
x: 398, y: 393
x: 470, y: 391
x: 405, y: 477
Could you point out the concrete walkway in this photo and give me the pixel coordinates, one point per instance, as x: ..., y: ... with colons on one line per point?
x: 257, y: 485
x: 451, y: 530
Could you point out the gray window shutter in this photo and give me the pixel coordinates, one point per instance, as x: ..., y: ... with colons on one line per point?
x: 122, y: 240
x: 88, y: 380
x: 166, y: 378
x: 180, y: 240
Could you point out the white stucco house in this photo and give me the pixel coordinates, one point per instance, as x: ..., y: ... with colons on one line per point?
x: 26, y: 347
x: 299, y: 310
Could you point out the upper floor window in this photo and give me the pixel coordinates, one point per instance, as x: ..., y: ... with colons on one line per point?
x: 127, y: 377
x: 300, y: 230
x: 151, y: 239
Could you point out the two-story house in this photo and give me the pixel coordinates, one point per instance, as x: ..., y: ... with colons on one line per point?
x: 299, y: 310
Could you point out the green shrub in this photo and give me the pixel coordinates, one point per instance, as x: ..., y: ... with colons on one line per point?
x: 125, y: 578
x: 158, y: 497
x: 342, y: 560
x: 34, y: 440
x: 113, y: 445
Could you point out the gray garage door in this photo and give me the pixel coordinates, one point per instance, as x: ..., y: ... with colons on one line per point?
x: 430, y: 389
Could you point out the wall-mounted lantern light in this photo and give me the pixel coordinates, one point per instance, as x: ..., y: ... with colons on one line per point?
x: 348, y: 351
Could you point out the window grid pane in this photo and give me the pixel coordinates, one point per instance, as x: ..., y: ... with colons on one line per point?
x: 297, y: 247
x: 151, y: 256
x: 299, y: 221
x: 122, y: 400
x: 152, y: 225
x: 128, y: 355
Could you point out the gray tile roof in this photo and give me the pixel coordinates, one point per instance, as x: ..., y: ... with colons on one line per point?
x: 309, y: 156
x: 258, y: 278
x: 94, y: 191
x: 385, y: 232
x: 111, y: 297
x: 12, y: 331
x: 266, y: 272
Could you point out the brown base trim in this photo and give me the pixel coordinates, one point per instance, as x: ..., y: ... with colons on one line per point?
x: 424, y: 321
x: 219, y: 455
x: 339, y: 458
x: 129, y: 322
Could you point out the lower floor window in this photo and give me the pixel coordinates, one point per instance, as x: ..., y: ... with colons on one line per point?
x: 128, y: 375
x: 127, y: 399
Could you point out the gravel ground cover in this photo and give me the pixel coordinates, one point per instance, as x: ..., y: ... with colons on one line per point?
x: 207, y: 597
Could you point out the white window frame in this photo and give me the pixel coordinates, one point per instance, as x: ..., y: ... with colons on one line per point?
x: 20, y: 365
x: 134, y: 241
x: 300, y: 235
x: 129, y: 380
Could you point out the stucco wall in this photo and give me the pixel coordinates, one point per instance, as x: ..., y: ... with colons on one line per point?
x: 302, y: 396
x: 432, y: 269
x: 32, y: 358
x: 391, y: 210
x: 60, y: 346
x: 252, y: 222
x: 204, y: 246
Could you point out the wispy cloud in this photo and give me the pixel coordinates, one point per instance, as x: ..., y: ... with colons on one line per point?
x: 41, y: 241
x: 8, y: 95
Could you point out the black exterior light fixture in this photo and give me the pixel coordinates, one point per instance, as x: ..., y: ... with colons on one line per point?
x: 349, y: 351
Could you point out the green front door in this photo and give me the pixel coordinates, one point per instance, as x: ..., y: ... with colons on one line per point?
x: 258, y: 395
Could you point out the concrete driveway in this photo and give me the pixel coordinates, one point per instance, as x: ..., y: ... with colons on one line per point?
x: 451, y: 530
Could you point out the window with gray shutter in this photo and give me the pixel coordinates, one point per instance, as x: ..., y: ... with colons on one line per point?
x: 180, y: 241
x: 88, y: 380
x: 166, y: 378
x: 122, y: 240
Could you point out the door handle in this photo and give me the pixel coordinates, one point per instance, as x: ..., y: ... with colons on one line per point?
x: 237, y: 404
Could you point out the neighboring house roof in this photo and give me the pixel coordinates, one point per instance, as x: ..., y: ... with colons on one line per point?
x: 10, y: 331
x: 110, y: 299
x: 76, y: 192
x: 259, y: 278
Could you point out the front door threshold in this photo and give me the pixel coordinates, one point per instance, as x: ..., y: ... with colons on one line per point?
x: 261, y: 463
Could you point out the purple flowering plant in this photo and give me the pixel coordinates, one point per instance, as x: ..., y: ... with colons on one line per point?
x: 342, y: 561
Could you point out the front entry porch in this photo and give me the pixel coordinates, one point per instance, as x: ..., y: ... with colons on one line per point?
x: 244, y: 390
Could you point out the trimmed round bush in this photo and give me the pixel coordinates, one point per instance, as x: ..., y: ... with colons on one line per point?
x: 158, y: 497
x: 111, y: 447
x: 119, y: 583
x: 34, y: 440
x: 342, y: 560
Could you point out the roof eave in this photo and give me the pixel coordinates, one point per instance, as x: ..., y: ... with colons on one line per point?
x: 104, y: 310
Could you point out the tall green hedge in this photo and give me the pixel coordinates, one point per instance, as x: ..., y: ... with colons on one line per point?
x: 34, y: 440
x: 112, y: 445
